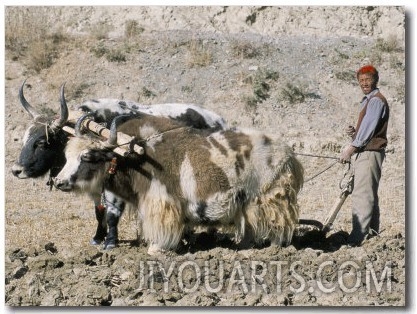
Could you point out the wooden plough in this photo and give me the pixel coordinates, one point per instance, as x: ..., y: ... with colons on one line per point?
x: 346, y: 190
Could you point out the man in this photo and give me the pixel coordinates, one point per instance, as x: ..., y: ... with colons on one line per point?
x: 369, y: 139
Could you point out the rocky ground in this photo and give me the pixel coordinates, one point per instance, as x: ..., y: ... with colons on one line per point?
x: 286, y: 70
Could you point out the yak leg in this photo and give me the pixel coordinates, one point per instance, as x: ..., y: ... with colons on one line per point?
x: 101, y: 231
x: 114, y: 210
x: 155, y: 249
x: 247, y: 241
x: 163, y: 225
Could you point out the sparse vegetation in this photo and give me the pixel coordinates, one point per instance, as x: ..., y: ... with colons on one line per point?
x: 250, y: 101
x: 348, y: 76
x: 244, y: 50
x: 78, y: 91
x: 19, y: 28
x: 200, y: 56
x: 112, y: 55
x: 383, y: 50
x: 41, y: 55
x: 362, y: 54
x: 28, y: 34
x: 376, y: 57
x: 100, y: 30
x: 260, y: 83
x: 386, y: 49
x: 341, y: 55
x: 99, y: 50
x: 396, y: 63
x: 293, y: 94
x: 390, y: 44
x: 46, y: 111
x: 132, y: 29
x: 115, y: 55
x: 186, y: 89
x: 145, y: 93
x: 400, y: 92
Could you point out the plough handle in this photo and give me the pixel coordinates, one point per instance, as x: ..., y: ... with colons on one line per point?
x: 335, y: 210
x: 346, y: 190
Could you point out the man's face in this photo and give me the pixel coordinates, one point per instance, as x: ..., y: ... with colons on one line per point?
x: 366, y: 82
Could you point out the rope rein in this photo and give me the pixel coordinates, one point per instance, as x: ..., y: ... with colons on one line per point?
x: 325, y: 169
x: 318, y: 156
x: 162, y: 133
x: 320, y: 172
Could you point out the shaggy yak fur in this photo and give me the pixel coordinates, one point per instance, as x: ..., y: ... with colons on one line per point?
x: 240, y: 179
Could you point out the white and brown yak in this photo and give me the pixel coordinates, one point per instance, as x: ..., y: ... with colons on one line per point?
x: 240, y: 179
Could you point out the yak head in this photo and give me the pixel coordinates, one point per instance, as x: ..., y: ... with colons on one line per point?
x: 86, y: 159
x: 43, y: 143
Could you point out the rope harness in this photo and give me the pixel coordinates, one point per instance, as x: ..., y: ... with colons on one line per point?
x: 48, y: 126
x: 110, y: 172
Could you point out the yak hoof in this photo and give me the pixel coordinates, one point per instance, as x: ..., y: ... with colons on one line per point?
x: 95, y: 242
x: 155, y: 250
x: 109, y: 245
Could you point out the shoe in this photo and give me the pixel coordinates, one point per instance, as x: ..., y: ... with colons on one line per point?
x: 355, y: 243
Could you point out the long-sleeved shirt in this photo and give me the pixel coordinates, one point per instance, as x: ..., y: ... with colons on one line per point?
x: 376, y: 111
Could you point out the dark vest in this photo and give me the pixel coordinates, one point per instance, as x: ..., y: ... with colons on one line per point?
x: 379, y: 139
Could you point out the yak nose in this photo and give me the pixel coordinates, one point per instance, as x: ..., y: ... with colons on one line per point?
x: 58, y: 183
x: 61, y: 184
x: 17, y: 171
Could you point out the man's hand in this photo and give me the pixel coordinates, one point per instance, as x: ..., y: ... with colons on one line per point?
x: 350, y: 130
x: 346, y: 154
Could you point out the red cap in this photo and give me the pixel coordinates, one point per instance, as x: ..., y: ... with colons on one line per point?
x: 368, y: 69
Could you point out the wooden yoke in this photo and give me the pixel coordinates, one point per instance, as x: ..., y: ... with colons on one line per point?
x: 123, y: 140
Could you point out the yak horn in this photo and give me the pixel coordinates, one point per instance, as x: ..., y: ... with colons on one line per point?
x: 112, y: 140
x: 79, y: 124
x: 63, y: 118
x: 32, y: 112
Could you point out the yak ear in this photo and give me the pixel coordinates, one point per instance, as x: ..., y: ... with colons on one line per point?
x: 97, y: 156
x: 109, y: 155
